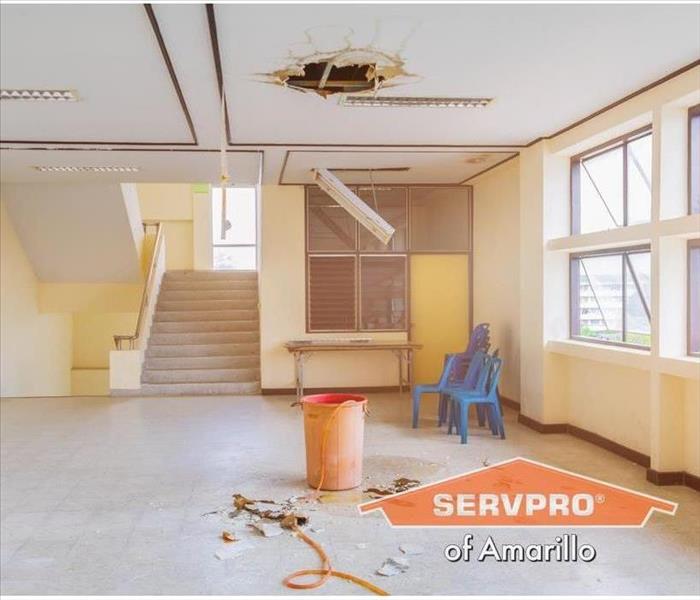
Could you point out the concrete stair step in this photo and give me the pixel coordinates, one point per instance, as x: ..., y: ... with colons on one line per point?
x: 244, y: 375
x: 202, y: 362
x: 176, y: 275
x: 199, y: 389
x: 241, y: 296
x: 205, y: 305
x: 223, y: 337
x: 170, y: 316
x: 210, y: 349
x: 185, y: 285
x: 203, y: 326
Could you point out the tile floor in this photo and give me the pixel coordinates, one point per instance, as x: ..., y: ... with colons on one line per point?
x: 106, y: 496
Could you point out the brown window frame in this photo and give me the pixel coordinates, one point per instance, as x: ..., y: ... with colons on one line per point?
x: 574, y: 295
x: 358, y: 254
x: 575, y: 176
x: 693, y: 245
x: 694, y: 165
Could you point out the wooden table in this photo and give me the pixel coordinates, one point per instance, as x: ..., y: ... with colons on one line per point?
x: 402, y: 350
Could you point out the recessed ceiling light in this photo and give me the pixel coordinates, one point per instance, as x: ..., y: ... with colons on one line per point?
x: 415, y: 101
x: 70, y: 169
x: 41, y: 95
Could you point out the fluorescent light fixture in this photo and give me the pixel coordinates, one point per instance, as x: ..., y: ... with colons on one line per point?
x: 71, y: 169
x: 352, y: 203
x: 415, y: 101
x: 40, y: 95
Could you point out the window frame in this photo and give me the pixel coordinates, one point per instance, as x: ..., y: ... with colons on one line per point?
x: 693, y: 166
x: 358, y: 254
x: 574, y: 298
x: 693, y: 244
x: 575, y: 176
x: 257, y: 225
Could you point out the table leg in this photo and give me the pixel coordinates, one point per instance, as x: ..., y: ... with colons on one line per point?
x: 409, y: 368
x: 299, y: 373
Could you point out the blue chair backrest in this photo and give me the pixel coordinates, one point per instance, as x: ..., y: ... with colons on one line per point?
x: 476, y: 370
x: 448, y: 370
x: 479, y: 340
x: 494, y: 374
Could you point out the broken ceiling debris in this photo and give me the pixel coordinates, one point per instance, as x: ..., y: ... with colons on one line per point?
x: 268, y: 528
x: 411, y: 549
x: 350, y: 70
x: 267, y: 509
x: 227, y: 536
x: 400, y: 484
x: 393, y: 566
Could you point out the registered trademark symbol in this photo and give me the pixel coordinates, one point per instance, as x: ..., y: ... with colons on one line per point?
x: 600, y: 498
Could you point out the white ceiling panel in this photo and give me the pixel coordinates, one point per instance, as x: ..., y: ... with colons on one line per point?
x: 449, y: 167
x: 109, y: 54
x: 177, y: 166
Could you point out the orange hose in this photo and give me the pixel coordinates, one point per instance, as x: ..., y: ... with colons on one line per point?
x: 326, y: 571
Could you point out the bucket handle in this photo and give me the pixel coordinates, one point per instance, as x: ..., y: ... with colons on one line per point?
x: 365, y: 408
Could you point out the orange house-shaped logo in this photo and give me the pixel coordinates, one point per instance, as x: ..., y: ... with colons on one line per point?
x: 519, y: 493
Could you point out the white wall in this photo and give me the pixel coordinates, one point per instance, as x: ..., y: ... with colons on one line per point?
x: 282, y: 312
x: 497, y: 266
x: 35, y: 348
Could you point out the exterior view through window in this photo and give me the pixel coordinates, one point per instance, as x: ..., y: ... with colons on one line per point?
x: 694, y: 297
x: 234, y: 228
x: 694, y: 159
x: 611, y: 186
x: 610, y: 296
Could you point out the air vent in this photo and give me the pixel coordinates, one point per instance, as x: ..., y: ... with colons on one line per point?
x: 70, y: 169
x: 40, y: 95
x: 415, y: 101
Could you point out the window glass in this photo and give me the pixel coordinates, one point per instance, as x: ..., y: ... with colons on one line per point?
x: 330, y: 227
x: 694, y: 297
x: 331, y: 293
x: 611, y: 297
x: 611, y: 188
x: 694, y: 159
x: 234, y: 219
x: 439, y: 219
x: 383, y: 292
x: 639, y: 180
x: 602, y: 191
x: 390, y: 203
x: 234, y: 257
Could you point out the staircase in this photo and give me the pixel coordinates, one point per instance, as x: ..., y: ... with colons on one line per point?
x: 205, y: 336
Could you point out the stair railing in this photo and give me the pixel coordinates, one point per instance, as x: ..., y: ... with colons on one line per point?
x: 150, y: 289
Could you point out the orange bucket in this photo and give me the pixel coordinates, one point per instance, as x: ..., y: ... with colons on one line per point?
x: 334, y: 428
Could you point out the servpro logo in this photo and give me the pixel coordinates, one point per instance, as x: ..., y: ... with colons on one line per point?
x: 519, y: 493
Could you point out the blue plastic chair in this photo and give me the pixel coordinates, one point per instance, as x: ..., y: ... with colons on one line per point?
x: 484, y: 393
x: 479, y: 341
x: 447, y: 380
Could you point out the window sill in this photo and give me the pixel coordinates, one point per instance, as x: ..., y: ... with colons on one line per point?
x: 621, y: 237
x: 687, y: 367
x: 626, y: 357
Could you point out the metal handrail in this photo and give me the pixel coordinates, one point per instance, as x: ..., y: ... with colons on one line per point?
x: 118, y: 339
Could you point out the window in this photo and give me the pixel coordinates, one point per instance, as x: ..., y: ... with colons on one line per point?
x: 610, y: 296
x: 234, y: 228
x: 356, y: 283
x: 440, y: 219
x: 694, y: 297
x: 694, y: 159
x: 611, y: 185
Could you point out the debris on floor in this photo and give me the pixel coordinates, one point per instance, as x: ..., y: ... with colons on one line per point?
x: 228, y: 537
x: 268, y: 509
x: 230, y: 551
x: 400, y: 484
x: 393, y: 566
x: 268, y: 528
x: 411, y: 549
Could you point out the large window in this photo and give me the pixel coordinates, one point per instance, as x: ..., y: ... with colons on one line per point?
x: 610, y: 296
x: 694, y: 159
x: 234, y: 228
x: 356, y: 283
x: 694, y: 297
x: 611, y: 185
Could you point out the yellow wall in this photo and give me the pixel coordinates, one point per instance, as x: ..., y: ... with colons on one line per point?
x: 35, y: 348
x: 439, y: 310
x: 171, y: 204
x: 691, y: 426
x: 497, y: 266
